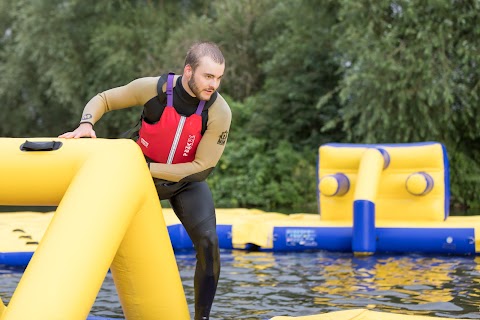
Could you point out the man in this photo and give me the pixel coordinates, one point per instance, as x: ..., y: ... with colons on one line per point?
x: 184, y: 129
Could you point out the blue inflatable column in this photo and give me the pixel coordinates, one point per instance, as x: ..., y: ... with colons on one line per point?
x: 372, y: 163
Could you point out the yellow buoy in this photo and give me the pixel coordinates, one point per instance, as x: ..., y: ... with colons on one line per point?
x: 419, y: 183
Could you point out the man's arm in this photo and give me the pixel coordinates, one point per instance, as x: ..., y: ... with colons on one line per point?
x: 136, y: 93
x: 209, y: 150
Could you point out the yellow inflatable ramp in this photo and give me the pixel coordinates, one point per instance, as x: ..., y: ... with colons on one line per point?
x: 359, y: 314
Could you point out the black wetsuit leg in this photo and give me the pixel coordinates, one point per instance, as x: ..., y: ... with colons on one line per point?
x: 193, y: 205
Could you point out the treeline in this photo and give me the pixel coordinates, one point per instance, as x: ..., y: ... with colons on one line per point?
x: 300, y: 73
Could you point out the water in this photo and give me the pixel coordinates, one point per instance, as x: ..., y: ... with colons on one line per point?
x: 260, y: 285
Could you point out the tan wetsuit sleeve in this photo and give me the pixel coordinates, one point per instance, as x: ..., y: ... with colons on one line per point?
x: 209, y: 150
x: 136, y: 93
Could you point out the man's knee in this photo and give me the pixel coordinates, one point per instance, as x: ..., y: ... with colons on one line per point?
x: 208, y: 255
x: 208, y: 241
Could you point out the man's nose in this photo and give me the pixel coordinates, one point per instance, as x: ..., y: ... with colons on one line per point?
x: 215, y: 83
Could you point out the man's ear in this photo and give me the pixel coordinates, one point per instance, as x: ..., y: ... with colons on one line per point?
x: 188, y: 71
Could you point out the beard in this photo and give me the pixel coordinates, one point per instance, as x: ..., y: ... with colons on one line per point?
x: 196, y: 90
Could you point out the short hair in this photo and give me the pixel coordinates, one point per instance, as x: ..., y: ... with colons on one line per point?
x: 201, y: 49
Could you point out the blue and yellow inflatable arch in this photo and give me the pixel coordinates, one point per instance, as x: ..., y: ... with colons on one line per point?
x: 370, y: 183
x: 404, y: 181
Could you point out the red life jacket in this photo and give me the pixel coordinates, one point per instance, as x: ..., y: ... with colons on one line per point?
x: 174, y: 138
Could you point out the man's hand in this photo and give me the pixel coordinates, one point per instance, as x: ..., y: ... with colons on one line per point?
x: 84, y: 130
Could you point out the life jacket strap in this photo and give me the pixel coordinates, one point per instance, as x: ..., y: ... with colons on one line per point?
x: 200, y: 107
x: 169, y: 91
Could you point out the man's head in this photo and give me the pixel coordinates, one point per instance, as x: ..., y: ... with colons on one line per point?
x: 203, y: 70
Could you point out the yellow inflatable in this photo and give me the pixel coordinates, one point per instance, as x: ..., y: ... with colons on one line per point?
x: 367, y: 184
x: 359, y: 314
x: 108, y: 216
x: 391, y: 176
x: 2, y: 307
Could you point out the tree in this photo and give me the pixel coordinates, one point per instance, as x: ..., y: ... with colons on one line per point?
x: 410, y: 73
x: 299, y: 73
x: 58, y: 54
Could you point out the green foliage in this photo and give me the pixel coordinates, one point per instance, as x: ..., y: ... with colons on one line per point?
x: 465, y: 183
x: 270, y: 160
x: 61, y: 53
x: 299, y: 71
x: 407, y: 68
x: 252, y: 174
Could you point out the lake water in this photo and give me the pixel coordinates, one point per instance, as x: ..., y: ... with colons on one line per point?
x: 260, y: 285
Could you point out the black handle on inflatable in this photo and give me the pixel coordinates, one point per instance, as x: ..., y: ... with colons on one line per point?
x: 40, y: 145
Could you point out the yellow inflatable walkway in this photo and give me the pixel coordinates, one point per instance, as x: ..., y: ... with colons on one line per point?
x: 360, y: 314
x: 21, y: 232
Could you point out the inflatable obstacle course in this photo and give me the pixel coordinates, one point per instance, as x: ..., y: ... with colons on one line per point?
x: 372, y: 198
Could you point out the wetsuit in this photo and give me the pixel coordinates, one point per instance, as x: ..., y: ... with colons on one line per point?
x: 183, y: 184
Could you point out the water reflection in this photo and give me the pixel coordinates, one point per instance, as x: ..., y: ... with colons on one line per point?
x: 260, y: 285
